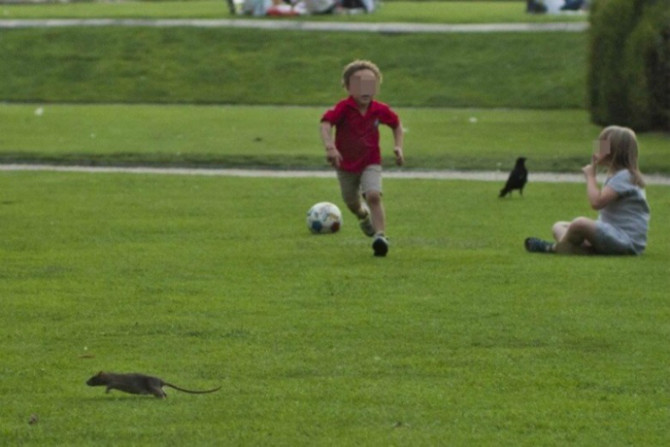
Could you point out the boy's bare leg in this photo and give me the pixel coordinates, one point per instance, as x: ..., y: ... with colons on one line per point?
x: 577, y: 237
x: 350, y: 189
x: 380, y: 244
x: 358, y: 209
x: 374, y: 199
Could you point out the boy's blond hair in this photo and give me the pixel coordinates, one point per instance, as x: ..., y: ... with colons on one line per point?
x: 623, y: 151
x: 358, y: 65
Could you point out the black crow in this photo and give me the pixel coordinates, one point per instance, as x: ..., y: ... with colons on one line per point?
x: 517, y: 178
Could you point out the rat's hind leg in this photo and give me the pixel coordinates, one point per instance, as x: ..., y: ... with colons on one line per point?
x: 158, y: 392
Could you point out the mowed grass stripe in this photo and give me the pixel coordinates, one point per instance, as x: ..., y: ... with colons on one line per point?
x: 287, y: 137
x: 147, y: 65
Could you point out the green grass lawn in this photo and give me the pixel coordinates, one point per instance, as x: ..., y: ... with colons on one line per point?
x: 405, y: 11
x: 287, y: 137
x: 238, y: 66
x: 459, y: 337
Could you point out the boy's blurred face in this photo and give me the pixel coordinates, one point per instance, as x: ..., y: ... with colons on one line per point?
x: 363, y: 86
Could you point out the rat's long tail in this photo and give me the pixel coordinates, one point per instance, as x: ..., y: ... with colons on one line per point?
x: 191, y: 391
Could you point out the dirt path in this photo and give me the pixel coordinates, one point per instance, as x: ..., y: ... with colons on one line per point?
x: 484, y: 176
x: 299, y: 25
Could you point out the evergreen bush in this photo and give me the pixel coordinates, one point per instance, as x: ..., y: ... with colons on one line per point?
x: 629, y: 63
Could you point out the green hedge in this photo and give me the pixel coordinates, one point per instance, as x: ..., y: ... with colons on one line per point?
x: 629, y: 63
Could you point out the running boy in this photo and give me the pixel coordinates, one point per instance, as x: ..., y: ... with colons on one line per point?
x: 355, y: 152
x: 623, y: 218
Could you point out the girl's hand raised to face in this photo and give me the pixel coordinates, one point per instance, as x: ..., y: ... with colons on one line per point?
x: 590, y: 169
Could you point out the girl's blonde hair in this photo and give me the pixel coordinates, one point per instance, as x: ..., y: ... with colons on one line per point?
x: 623, y: 151
x: 358, y: 65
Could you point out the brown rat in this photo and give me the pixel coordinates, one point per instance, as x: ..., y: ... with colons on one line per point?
x: 135, y: 383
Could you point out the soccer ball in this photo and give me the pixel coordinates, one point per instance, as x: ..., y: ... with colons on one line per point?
x: 324, y: 218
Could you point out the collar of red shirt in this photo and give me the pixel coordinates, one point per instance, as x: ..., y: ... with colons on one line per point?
x: 351, y: 102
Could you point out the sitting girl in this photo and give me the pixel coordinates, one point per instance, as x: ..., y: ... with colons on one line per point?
x: 623, y: 218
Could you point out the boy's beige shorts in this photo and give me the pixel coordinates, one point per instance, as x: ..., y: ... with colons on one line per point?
x: 352, y: 184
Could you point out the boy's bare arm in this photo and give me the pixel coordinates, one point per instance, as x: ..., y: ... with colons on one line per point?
x: 332, y: 154
x: 398, y: 139
x: 327, y: 135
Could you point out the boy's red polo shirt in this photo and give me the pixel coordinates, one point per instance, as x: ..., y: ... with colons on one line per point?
x: 356, y: 135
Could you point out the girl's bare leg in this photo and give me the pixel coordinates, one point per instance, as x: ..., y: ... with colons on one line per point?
x: 559, y: 229
x: 577, y: 237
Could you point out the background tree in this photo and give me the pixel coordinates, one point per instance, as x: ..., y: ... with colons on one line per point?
x: 629, y: 63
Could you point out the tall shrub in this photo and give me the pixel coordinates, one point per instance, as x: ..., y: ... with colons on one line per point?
x: 629, y: 63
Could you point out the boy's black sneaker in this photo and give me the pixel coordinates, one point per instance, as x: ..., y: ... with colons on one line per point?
x: 380, y: 245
